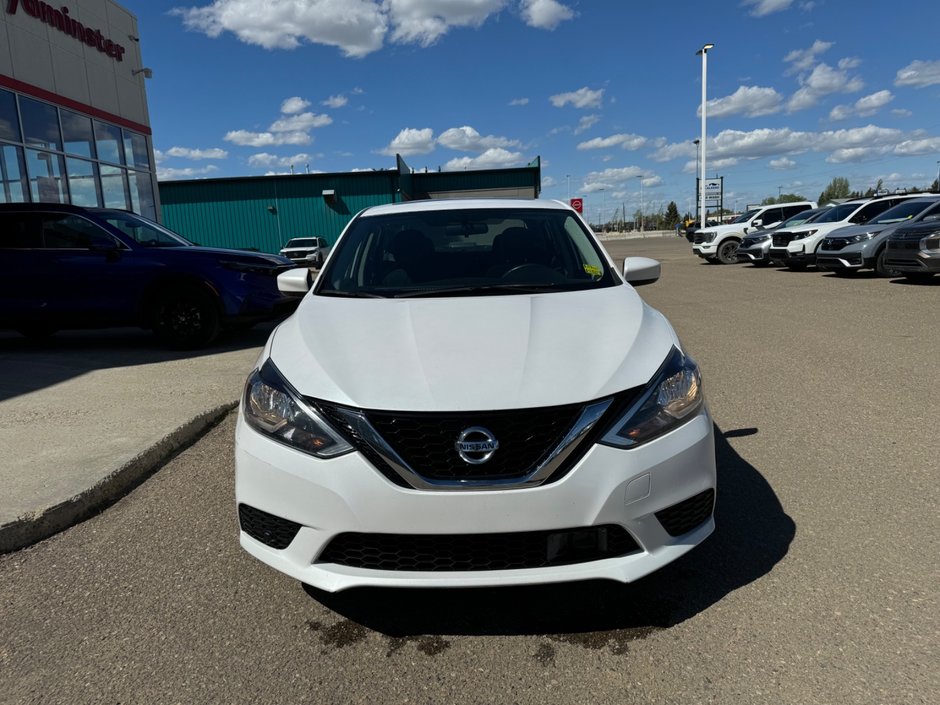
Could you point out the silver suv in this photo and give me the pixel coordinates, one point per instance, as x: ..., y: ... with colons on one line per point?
x: 849, y: 249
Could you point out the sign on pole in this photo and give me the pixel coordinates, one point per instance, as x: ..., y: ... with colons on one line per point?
x: 577, y: 204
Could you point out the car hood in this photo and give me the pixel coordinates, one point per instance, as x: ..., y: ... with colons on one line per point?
x: 850, y: 230
x: 472, y: 353
x: 219, y: 253
x: 721, y: 229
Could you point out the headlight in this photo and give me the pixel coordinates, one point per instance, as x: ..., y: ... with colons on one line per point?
x: 930, y: 243
x: 709, y: 237
x: 672, y: 398
x: 861, y: 237
x: 808, y: 233
x: 763, y: 238
x: 274, y: 408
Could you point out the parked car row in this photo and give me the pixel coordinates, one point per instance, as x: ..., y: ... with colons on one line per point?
x: 894, y: 235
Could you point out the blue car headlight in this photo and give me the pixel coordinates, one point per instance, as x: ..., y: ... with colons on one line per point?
x: 672, y: 397
x: 272, y: 407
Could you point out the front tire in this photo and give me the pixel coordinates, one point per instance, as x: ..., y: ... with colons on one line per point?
x: 186, y: 318
x: 882, y: 269
x: 728, y: 252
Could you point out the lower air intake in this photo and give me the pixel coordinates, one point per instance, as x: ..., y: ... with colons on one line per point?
x: 688, y: 514
x: 270, y: 530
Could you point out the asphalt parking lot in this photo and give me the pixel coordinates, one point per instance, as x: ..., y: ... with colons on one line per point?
x: 820, y: 584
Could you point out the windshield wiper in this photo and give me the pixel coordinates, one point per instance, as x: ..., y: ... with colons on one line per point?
x: 350, y: 294
x: 479, y: 289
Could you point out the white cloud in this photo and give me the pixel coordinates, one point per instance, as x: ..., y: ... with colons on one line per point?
x: 918, y: 147
x: 423, y: 22
x: 519, y: 101
x: 411, y: 141
x: 762, y: 8
x: 804, y: 59
x: 266, y: 160
x: 186, y: 153
x: 490, y: 159
x: 849, y: 62
x: 246, y: 138
x: 586, y: 123
x: 782, y: 164
x: 158, y: 156
x: 852, y: 154
x: 824, y: 80
x: 901, y: 112
x: 868, y: 105
x: 625, y: 141
x: 545, y: 14
x: 336, y: 101
x: 919, y: 74
x: 581, y: 98
x: 751, y: 101
x: 294, y: 105
x: 165, y: 174
x: 651, y: 181
x: 466, y: 139
x: 356, y: 27
x: 609, y: 178
x: 300, y: 123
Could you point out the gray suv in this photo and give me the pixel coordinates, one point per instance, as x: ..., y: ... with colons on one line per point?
x: 849, y: 249
x: 914, y: 250
x: 755, y: 246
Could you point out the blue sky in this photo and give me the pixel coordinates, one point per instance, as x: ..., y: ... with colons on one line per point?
x: 607, y: 92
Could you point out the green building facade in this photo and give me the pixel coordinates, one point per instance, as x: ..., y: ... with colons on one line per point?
x: 264, y: 212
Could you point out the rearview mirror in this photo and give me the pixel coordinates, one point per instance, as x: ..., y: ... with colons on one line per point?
x: 295, y: 281
x: 757, y: 223
x: 641, y: 270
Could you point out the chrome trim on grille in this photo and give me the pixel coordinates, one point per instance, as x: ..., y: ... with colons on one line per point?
x: 589, y: 416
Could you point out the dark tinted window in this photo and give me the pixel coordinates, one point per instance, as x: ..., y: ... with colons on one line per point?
x: 9, y: 122
x: 77, y: 134
x: 790, y: 211
x: 135, y: 149
x: 871, y: 210
x: 67, y: 231
x: 19, y: 231
x: 836, y: 214
x: 109, y: 144
x: 771, y: 216
x: 40, y: 124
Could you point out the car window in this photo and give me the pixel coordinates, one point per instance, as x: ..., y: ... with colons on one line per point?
x: 871, y: 210
x: 771, y: 216
x: 806, y: 216
x: 902, y: 211
x: 20, y: 231
x: 321, y: 242
x: 790, y: 211
x: 144, y: 232
x: 745, y: 217
x: 65, y: 231
x: 465, y: 252
x: 836, y: 214
x: 301, y: 242
x: 931, y: 213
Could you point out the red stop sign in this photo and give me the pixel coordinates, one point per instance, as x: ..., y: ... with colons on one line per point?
x: 577, y: 204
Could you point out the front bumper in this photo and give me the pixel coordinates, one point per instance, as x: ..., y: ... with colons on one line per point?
x: 788, y: 256
x: 755, y: 253
x: 705, y: 249
x: 609, y: 486
x: 843, y: 259
x: 910, y: 260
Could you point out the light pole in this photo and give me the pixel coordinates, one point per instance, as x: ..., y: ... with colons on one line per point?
x: 640, y: 177
x: 697, y: 157
x: 568, y: 181
x: 938, y: 175
x: 703, y: 52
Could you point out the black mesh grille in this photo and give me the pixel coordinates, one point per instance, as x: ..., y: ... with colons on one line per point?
x: 681, y: 518
x: 833, y: 243
x: 783, y: 239
x: 476, y: 552
x: 267, y: 528
x: 427, y: 441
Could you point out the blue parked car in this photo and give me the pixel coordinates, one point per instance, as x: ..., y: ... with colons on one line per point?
x: 64, y: 266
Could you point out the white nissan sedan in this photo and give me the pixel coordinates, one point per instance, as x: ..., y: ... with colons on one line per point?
x: 471, y: 394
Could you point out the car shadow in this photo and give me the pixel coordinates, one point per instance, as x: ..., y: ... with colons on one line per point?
x: 753, y: 534
x: 69, y: 354
x: 903, y: 281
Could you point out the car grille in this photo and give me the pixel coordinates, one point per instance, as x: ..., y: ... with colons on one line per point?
x: 681, y: 518
x: 833, y: 243
x: 904, y: 244
x: 701, y: 239
x: 267, y: 528
x: 477, y: 552
x: 783, y: 239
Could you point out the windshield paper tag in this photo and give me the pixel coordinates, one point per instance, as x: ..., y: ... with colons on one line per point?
x: 592, y: 269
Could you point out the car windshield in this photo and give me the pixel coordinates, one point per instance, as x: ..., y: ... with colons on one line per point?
x: 144, y: 232
x: 903, y: 211
x: 837, y: 213
x: 743, y: 218
x: 463, y: 251
x: 301, y: 242
x: 803, y: 217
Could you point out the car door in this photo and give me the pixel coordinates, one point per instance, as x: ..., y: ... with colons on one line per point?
x: 23, y: 277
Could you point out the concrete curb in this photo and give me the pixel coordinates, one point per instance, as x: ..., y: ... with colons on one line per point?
x: 32, y: 528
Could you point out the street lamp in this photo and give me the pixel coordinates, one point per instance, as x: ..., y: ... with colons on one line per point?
x: 568, y: 181
x: 938, y: 175
x: 697, y: 156
x: 703, y: 52
x: 640, y: 177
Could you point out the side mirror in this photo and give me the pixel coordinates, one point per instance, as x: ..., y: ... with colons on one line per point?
x: 641, y: 270
x: 295, y: 281
x: 757, y: 222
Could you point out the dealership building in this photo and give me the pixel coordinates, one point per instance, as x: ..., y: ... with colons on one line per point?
x: 74, y: 125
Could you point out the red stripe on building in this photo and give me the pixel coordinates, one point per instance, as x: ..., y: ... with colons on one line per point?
x: 42, y: 94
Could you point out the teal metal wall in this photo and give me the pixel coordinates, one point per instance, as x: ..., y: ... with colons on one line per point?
x: 263, y: 213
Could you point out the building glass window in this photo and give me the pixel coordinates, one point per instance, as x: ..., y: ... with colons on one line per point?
x: 114, y: 187
x: 12, y: 174
x: 142, y: 195
x: 135, y: 147
x: 77, y: 134
x: 110, y: 146
x: 45, y: 171
x: 9, y: 121
x: 40, y: 124
x: 83, y: 186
